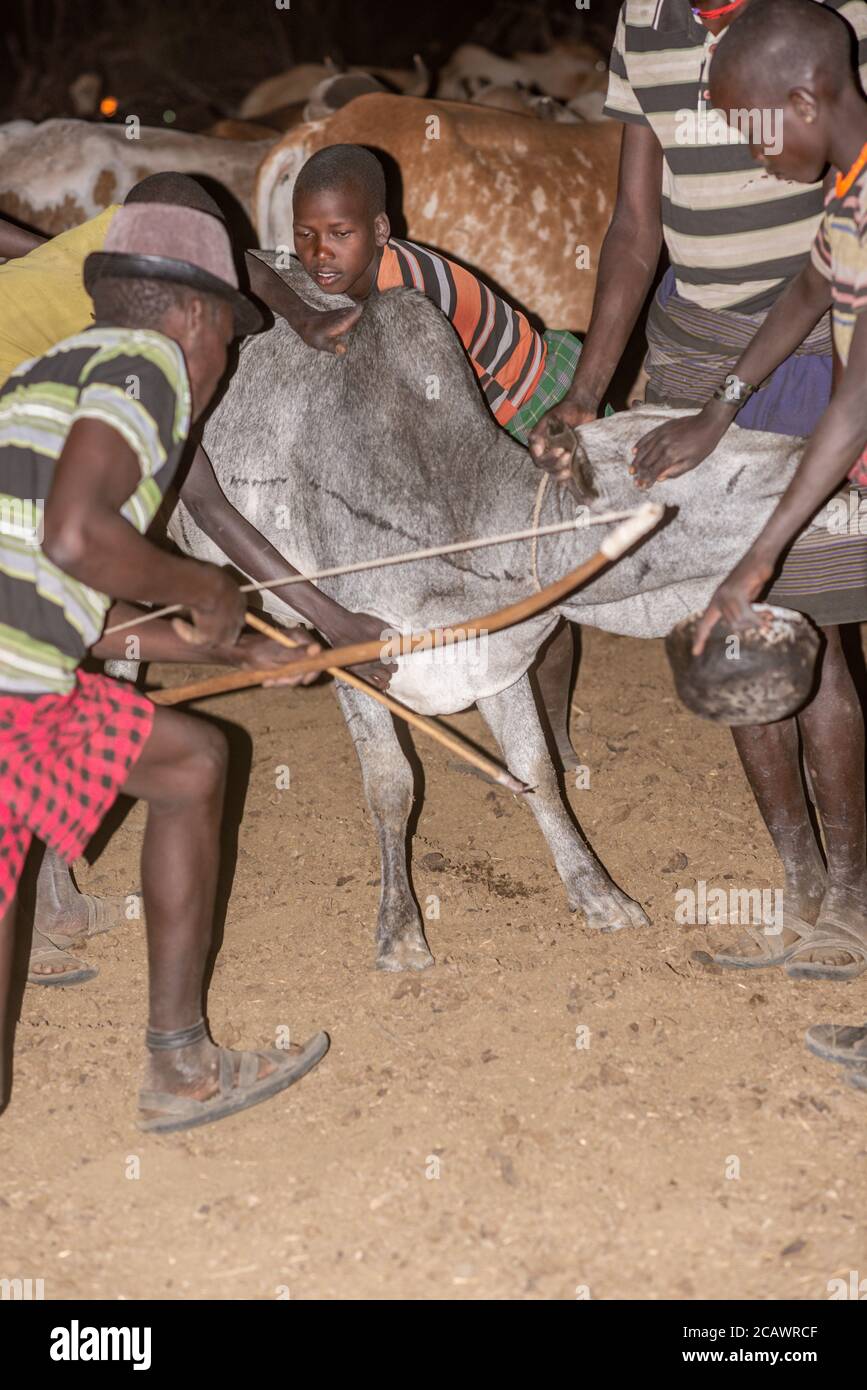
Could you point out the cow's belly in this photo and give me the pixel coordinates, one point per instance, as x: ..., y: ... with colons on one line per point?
x: 451, y: 678
x: 430, y: 682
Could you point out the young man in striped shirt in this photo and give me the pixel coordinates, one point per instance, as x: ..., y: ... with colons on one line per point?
x: 735, y: 238
x: 44, y: 301
x: 343, y: 239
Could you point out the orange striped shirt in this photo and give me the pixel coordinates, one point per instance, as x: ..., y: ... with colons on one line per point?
x: 507, y: 354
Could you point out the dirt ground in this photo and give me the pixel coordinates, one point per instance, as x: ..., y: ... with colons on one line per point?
x: 455, y: 1143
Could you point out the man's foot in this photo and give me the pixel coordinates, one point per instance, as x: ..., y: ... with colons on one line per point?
x: 838, y: 951
x: 195, y: 1085
x: 51, y: 964
x: 62, y: 911
x: 758, y: 948
x: 63, y: 918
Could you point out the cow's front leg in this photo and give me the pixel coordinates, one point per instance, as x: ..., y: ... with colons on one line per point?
x: 387, y: 776
x: 513, y: 720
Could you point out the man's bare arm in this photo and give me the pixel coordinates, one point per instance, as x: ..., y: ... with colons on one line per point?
x: 250, y: 552
x: 16, y: 241
x: 627, y: 264
x: 158, y: 640
x: 833, y: 448
x: 680, y: 445
x: 86, y: 537
x: 325, y: 330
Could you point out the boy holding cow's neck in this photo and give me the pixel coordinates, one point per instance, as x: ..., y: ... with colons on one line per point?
x: 343, y: 239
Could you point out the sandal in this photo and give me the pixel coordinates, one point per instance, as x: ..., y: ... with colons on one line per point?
x: 52, y: 949
x: 833, y: 932
x: 730, y: 959
x: 837, y: 1042
x: 857, y: 1076
x: 837, y: 940
x: 239, y: 1089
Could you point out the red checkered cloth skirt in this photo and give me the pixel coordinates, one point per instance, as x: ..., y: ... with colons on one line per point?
x: 63, y: 761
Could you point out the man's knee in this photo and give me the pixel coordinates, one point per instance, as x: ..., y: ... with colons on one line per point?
x: 201, y: 772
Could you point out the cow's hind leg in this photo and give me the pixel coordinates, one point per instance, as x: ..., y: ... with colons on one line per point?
x: 513, y: 720
x: 388, y: 786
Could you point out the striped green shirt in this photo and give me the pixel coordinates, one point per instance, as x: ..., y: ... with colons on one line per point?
x: 735, y: 235
x: 134, y: 380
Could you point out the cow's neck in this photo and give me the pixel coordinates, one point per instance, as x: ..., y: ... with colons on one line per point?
x: 558, y: 554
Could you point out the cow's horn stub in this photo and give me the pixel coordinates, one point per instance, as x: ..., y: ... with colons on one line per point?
x: 754, y: 675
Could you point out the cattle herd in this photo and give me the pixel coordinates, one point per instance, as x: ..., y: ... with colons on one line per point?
x: 518, y: 144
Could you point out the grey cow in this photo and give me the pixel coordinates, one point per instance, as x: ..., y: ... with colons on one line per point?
x: 390, y: 448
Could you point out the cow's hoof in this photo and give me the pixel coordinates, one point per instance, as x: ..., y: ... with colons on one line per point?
x: 611, y: 911
x: 408, y: 952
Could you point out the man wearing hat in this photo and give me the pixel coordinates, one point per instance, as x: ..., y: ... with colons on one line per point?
x: 44, y: 300
x: 96, y: 427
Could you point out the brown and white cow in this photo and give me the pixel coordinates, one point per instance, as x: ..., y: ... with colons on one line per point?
x: 284, y: 88
x: 565, y: 70
x: 298, y: 84
x: 59, y: 173
x: 526, y: 202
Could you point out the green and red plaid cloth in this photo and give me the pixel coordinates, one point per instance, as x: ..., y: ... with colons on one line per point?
x: 561, y: 359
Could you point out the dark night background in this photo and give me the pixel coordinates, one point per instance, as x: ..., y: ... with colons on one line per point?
x: 198, y: 58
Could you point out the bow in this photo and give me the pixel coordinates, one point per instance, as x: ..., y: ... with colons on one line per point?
x: 621, y: 539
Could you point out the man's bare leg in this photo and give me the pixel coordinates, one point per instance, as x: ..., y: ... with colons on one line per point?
x: 771, y: 758
x: 64, y: 915
x: 832, y: 728
x: 7, y: 955
x: 181, y: 774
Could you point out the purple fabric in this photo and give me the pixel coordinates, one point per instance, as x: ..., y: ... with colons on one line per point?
x: 793, y: 399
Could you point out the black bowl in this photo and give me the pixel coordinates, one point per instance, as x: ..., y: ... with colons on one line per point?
x: 752, y: 675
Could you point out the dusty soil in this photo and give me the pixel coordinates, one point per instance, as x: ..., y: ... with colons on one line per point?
x: 560, y: 1168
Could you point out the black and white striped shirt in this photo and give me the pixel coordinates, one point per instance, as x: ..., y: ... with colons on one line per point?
x: 735, y: 235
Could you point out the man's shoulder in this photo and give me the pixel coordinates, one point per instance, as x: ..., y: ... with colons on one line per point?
x: 651, y: 14
x: 641, y: 12
x: 115, y: 348
x: 845, y: 7
x: 141, y: 363
x: 859, y: 206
